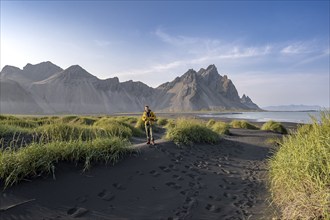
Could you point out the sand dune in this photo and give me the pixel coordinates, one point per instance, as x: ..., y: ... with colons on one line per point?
x: 223, y: 181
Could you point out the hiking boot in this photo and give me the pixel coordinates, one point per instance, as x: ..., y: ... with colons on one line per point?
x: 153, y: 142
x: 148, y: 142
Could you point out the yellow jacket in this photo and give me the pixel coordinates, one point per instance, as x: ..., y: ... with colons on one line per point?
x: 148, y: 117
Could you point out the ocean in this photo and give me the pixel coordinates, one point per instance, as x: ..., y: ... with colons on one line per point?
x: 296, y: 117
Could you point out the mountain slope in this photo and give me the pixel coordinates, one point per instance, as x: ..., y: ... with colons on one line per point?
x: 14, y: 99
x: 53, y: 90
x: 30, y: 73
x: 202, y: 90
x: 74, y: 90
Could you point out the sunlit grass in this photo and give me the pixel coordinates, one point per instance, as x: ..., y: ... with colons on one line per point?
x: 162, y: 121
x: 243, y: 124
x: 30, y: 146
x: 190, y: 131
x: 39, y: 158
x: 275, y: 127
x: 300, y: 172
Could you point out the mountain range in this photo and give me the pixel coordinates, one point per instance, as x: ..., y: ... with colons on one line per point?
x: 46, y: 88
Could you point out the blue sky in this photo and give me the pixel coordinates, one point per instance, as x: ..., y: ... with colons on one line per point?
x: 277, y: 52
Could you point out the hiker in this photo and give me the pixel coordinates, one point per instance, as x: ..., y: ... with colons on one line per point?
x: 148, y: 117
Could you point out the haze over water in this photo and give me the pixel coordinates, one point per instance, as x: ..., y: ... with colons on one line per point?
x: 297, y: 117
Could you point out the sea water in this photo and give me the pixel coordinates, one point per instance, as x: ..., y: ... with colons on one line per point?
x: 296, y: 117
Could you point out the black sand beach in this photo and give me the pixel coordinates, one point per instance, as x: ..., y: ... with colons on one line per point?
x: 222, y: 181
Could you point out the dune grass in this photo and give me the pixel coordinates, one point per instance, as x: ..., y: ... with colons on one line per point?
x: 162, y: 121
x: 81, y: 139
x: 120, y: 126
x: 190, y: 131
x: 218, y: 127
x: 139, y: 124
x: 221, y: 128
x: 210, y: 123
x: 39, y: 158
x: 275, y: 127
x: 300, y: 172
x: 243, y: 124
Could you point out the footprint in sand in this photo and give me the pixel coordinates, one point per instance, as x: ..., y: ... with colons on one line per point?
x: 212, y: 208
x: 173, y: 167
x: 77, y: 212
x: 224, y: 187
x: 194, y: 177
x: 185, y: 192
x: 154, y: 173
x: 139, y: 172
x: 176, y: 161
x: 105, y: 195
x: 164, y: 169
x: 173, y: 185
x: 197, y: 185
x: 225, y: 171
x: 230, y: 196
x: 190, y: 203
x: 119, y: 186
x: 82, y: 199
x: 177, y: 177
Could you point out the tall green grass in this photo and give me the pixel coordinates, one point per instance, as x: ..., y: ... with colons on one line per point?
x: 243, y: 124
x: 274, y: 126
x: 210, y: 123
x: 39, y: 158
x: 300, y: 172
x: 220, y: 128
x: 190, y: 131
x: 162, y: 121
x: 119, y: 126
x: 81, y: 139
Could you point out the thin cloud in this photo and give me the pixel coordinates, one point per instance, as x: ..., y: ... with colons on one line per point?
x: 296, y: 48
x: 174, y: 40
x: 102, y: 43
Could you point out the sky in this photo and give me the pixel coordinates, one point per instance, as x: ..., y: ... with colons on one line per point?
x: 276, y: 52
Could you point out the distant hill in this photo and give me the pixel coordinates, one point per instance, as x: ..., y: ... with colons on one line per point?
x: 46, y: 88
x: 293, y: 108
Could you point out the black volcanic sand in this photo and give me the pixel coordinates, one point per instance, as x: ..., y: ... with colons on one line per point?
x: 223, y: 181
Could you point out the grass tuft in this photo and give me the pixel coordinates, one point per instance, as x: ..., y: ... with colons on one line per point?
x: 140, y: 124
x: 274, y: 126
x: 39, y: 158
x: 220, y: 128
x: 300, y: 172
x: 162, y: 121
x: 190, y: 131
x: 31, y: 146
x: 210, y: 123
x: 243, y: 124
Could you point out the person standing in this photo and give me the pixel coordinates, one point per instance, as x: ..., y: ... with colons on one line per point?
x: 148, y: 117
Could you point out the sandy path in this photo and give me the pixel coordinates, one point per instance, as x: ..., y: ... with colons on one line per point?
x: 223, y: 181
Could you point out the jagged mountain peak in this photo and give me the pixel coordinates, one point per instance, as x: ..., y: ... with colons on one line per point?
x: 40, y: 71
x: 46, y: 66
x: 246, y: 100
x: 9, y: 70
x: 76, y: 72
x: 210, y: 74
